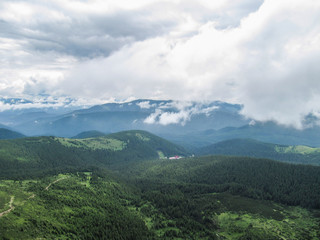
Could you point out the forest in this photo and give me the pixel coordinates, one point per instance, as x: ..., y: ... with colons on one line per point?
x: 119, y: 186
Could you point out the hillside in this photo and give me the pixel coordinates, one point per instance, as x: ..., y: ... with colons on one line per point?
x: 261, y: 131
x: 189, y: 124
x: 89, y: 134
x: 251, y: 177
x: 230, y: 197
x: 254, y: 148
x: 114, y: 117
x: 192, y: 198
x: 86, y: 205
x: 38, y: 154
x: 9, y: 134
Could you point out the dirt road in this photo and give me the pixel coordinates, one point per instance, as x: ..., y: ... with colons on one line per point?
x: 11, y: 207
x: 47, y: 187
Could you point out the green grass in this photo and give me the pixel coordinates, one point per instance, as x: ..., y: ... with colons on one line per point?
x: 297, y: 149
x: 70, y: 209
x: 4, y: 200
x: 266, y: 209
x: 298, y: 224
x: 10, y: 188
x: 142, y: 137
x: 78, y: 201
x: 243, y: 218
x: 102, y: 143
x: 161, y: 155
x: 155, y: 220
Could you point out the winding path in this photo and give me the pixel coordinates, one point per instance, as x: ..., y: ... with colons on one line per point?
x: 47, y: 187
x: 11, y: 207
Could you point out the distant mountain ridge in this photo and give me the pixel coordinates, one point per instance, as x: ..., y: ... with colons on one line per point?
x: 257, y: 149
x: 156, y: 116
x: 190, y: 124
x: 9, y: 134
x: 89, y: 134
x: 261, y: 131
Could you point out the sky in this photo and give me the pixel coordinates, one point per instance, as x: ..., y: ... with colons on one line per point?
x: 262, y: 54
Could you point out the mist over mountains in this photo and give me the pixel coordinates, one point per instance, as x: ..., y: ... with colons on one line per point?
x: 190, y: 124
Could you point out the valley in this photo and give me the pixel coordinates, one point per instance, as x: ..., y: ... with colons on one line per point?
x: 122, y: 186
x: 233, y: 181
x: 159, y: 120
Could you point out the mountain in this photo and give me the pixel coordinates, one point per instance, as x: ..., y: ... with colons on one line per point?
x: 38, y: 154
x: 9, y: 134
x: 254, y: 148
x: 17, y: 112
x: 250, y: 177
x: 120, y: 186
x: 229, y: 197
x: 192, y: 198
x: 89, y: 134
x: 189, y: 124
x: 261, y: 131
x: 163, y: 117
x: 80, y: 205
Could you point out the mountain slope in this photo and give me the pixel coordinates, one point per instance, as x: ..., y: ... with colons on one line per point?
x: 254, y: 148
x: 9, y: 134
x: 251, y: 177
x: 190, y: 124
x: 157, y: 116
x: 84, y: 205
x: 89, y: 134
x: 38, y: 154
x: 230, y: 197
x: 261, y: 131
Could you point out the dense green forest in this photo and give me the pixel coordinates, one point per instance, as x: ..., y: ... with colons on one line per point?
x: 100, y: 204
x: 204, y: 196
x: 86, y: 205
x: 39, y: 155
x: 121, y: 186
x: 249, y: 177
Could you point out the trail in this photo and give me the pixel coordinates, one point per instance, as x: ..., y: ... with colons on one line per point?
x: 32, y: 196
x: 11, y: 207
x: 47, y: 187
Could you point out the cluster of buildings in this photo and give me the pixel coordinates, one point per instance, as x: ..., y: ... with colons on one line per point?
x: 175, y: 157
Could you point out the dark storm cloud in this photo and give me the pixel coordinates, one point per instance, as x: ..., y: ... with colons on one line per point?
x: 99, y: 34
x: 93, y: 35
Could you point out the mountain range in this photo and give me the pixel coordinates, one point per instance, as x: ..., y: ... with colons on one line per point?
x: 253, y: 148
x: 190, y: 124
x: 136, y: 185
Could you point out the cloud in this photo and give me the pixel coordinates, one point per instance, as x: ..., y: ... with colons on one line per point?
x: 145, y: 105
x: 178, y: 112
x: 268, y: 63
x: 48, y: 102
x: 262, y: 54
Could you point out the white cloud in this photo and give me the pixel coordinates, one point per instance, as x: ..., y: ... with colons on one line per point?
x: 145, y: 105
x: 46, y: 102
x: 153, y: 118
x: 265, y: 57
x: 178, y: 112
x: 174, y: 118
